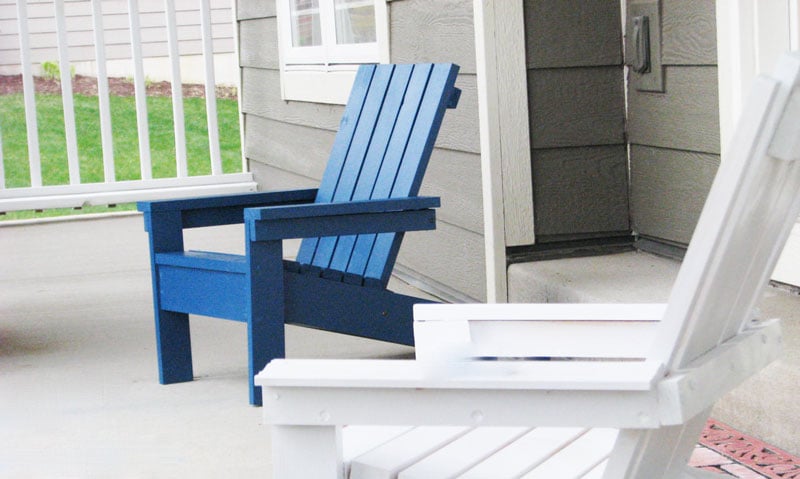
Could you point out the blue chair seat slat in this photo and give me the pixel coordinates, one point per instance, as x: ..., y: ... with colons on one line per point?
x: 356, y: 155
x: 375, y: 154
x: 341, y: 146
x: 231, y: 263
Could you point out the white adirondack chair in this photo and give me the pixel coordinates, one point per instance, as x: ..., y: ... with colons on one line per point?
x: 566, y: 390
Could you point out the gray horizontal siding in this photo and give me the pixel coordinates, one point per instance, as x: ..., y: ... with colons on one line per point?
x: 668, y: 190
x: 577, y: 118
x: 685, y: 117
x: 576, y: 107
x: 688, y: 32
x: 447, y: 255
x: 573, y: 41
x: 259, y: 43
x: 581, y: 191
x: 440, y: 31
x: 674, y: 135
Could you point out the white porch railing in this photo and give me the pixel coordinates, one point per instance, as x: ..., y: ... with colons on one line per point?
x: 110, y: 190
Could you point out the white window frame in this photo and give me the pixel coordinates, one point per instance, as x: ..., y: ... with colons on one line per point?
x: 325, y: 73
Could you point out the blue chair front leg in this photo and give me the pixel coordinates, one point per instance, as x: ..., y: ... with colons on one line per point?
x: 173, y: 340
x: 266, y: 315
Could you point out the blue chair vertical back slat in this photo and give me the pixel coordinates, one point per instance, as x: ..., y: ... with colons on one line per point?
x: 354, y: 160
x: 396, y: 148
x: 414, y: 162
x: 375, y: 154
x: 341, y: 146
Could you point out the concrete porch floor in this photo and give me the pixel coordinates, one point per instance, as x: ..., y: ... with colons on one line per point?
x: 79, y: 393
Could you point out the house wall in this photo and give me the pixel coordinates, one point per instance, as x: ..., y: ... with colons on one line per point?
x: 80, y: 36
x: 577, y: 126
x: 287, y: 142
x: 674, y: 136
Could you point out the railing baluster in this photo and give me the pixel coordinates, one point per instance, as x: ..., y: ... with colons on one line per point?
x: 66, y: 95
x: 239, y: 99
x: 2, y: 166
x: 29, y: 92
x: 140, y: 91
x: 177, y: 90
x: 211, y: 95
x: 106, y: 136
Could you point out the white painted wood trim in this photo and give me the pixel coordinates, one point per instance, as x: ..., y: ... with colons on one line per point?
x: 179, y: 127
x: 67, y: 95
x: 515, y: 147
x: 72, y: 196
x: 308, y: 74
x: 140, y: 91
x: 491, y: 151
x: 210, y: 88
x: 29, y: 93
x: 239, y: 82
x: 106, y: 133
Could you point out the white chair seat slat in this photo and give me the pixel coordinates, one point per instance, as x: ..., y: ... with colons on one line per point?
x: 391, y: 457
x: 597, y: 472
x: 463, y: 453
x: 357, y: 440
x: 579, y: 458
x: 525, y: 453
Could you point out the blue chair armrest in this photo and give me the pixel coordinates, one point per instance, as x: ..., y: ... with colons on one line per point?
x: 333, y: 219
x: 222, y: 210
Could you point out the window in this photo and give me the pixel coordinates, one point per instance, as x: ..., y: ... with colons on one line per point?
x: 322, y: 42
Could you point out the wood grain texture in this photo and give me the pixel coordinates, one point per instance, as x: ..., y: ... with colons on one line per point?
x: 576, y: 107
x: 685, y: 117
x: 271, y: 178
x: 448, y: 255
x: 303, y: 151
x: 580, y: 190
x: 689, y: 32
x: 460, y: 130
x: 258, y: 43
x: 296, y: 149
x: 515, y: 147
x: 668, y: 189
x: 261, y: 96
x: 456, y: 178
x: 440, y: 31
x: 571, y: 33
x: 247, y: 9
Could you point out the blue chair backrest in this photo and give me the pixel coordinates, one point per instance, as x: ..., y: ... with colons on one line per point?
x: 381, y: 151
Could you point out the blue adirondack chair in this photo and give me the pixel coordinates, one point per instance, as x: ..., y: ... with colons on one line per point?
x: 352, y: 228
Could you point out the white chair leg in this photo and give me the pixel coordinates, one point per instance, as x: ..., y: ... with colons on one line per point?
x: 301, y: 452
x: 656, y: 454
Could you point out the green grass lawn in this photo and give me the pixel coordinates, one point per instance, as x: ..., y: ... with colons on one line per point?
x: 52, y: 141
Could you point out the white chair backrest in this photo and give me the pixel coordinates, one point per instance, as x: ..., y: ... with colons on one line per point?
x: 749, y: 213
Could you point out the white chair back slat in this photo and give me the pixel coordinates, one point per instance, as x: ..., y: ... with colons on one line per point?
x: 747, y: 218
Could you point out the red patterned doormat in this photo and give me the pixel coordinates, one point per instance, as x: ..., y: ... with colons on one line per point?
x: 727, y: 451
